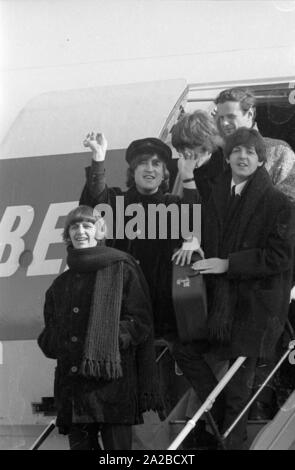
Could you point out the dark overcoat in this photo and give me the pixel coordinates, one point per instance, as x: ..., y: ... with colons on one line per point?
x: 81, y: 399
x: 205, y: 175
x: 154, y: 255
x: 260, y: 260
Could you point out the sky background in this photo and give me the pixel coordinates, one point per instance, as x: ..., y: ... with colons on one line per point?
x: 48, y: 45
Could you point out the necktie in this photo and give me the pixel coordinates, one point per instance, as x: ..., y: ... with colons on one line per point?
x: 233, y: 200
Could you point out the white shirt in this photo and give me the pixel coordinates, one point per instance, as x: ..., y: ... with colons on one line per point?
x: 238, y: 187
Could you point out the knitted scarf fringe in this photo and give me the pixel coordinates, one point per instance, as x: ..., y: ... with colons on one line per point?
x: 221, y: 312
x: 105, y: 369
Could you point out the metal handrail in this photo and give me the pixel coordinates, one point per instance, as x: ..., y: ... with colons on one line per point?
x: 285, y: 355
x: 207, y: 404
x: 44, y: 435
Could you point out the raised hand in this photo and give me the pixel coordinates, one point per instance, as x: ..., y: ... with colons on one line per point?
x: 186, y: 166
x: 98, y: 144
x: 190, y: 159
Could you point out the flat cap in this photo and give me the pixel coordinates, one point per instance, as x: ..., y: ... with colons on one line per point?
x: 148, y: 145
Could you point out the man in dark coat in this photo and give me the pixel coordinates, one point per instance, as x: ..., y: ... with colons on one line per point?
x: 98, y: 325
x: 248, y: 240
x: 236, y: 107
x: 147, y: 180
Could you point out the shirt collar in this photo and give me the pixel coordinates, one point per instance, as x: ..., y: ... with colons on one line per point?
x: 238, y: 187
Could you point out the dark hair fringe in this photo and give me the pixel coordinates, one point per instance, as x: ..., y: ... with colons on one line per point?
x: 130, y: 182
x: 246, y: 137
x: 79, y: 214
x: 194, y: 130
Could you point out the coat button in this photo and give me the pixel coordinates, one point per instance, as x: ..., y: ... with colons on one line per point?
x: 75, y: 310
x: 74, y: 339
x: 74, y: 369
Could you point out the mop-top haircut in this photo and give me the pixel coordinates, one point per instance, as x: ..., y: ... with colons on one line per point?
x: 79, y: 214
x: 247, y: 138
x: 197, y: 129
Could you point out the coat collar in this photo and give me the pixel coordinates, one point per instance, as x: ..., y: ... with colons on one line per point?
x: 136, y: 197
x: 252, y: 193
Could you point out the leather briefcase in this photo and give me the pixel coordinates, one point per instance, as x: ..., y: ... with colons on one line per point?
x: 190, y: 302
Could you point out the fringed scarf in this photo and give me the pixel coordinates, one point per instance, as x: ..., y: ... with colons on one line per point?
x: 101, y: 349
x: 222, y: 310
x: 101, y: 357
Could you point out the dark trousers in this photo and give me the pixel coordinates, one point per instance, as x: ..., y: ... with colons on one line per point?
x: 114, y: 436
x: 237, y: 393
x: 190, y: 359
